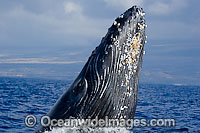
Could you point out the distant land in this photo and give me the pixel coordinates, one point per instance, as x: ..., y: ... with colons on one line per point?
x: 70, y: 71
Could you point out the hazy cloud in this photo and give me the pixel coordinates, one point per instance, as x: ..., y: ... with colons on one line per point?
x: 172, y: 29
x: 161, y: 7
x: 71, y: 7
x: 26, y: 27
x: 123, y: 4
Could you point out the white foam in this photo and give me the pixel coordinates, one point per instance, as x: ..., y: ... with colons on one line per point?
x: 89, y: 130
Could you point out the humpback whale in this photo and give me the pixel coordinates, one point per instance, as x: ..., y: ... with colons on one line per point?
x: 108, y: 82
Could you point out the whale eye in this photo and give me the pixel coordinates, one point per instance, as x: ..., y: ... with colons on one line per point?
x: 80, y: 86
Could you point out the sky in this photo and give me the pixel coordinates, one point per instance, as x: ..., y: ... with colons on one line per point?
x: 53, y: 39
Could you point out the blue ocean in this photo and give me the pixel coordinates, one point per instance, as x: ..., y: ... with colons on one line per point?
x: 20, y: 97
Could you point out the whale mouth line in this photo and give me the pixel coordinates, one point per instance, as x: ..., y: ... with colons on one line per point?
x: 108, y: 82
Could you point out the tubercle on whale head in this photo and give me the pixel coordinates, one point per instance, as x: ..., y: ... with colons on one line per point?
x: 126, y: 26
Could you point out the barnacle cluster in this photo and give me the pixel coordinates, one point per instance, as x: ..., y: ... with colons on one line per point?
x: 130, y: 50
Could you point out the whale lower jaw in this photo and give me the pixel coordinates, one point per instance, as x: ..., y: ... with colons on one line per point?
x: 107, y: 86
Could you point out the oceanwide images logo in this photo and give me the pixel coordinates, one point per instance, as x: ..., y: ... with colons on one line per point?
x: 72, y: 122
x: 46, y: 121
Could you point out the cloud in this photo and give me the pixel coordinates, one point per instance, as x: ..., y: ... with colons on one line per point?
x: 123, y: 4
x: 172, y: 30
x: 179, y: 4
x: 69, y: 24
x: 165, y: 21
x: 21, y: 26
x: 160, y: 7
x: 71, y: 7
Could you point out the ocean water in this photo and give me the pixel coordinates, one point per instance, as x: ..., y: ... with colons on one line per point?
x: 20, y: 97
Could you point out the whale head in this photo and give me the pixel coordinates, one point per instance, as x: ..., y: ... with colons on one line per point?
x: 111, y: 75
x: 108, y: 82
